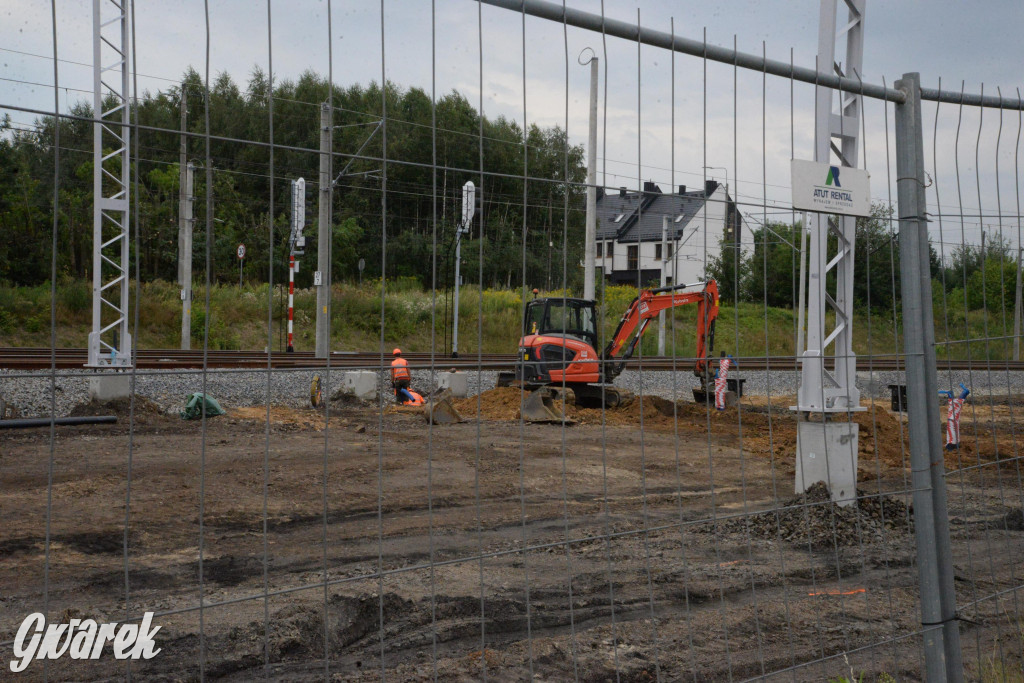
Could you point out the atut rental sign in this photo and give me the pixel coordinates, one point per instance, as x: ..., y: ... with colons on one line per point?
x: 82, y: 639
x: 830, y: 189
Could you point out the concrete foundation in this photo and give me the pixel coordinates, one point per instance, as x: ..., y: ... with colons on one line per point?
x: 108, y: 387
x: 828, y: 452
x: 361, y: 383
x: 458, y: 382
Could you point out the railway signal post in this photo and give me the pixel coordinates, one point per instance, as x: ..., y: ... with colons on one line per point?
x: 296, y: 244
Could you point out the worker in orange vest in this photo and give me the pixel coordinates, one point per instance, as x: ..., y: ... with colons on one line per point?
x: 399, y: 374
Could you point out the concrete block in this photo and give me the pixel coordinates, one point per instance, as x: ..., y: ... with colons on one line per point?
x: 109, y: 387
x: 361, y: 383
x: 828, y: 452
x: 458, y: 382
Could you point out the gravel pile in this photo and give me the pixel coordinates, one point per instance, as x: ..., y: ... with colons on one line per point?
x: 813, y: 520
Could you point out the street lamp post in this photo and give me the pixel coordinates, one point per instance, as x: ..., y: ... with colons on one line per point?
x: 722, y: 168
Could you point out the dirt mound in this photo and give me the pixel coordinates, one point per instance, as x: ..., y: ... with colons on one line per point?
x: 761, y: 433
x: 145, y: 410
x: 282, y: 417
x: 500, y: 403
x: 881, y: 437
x: 813, y: 520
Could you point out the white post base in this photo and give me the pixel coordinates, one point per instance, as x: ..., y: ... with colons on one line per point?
x: 109, y: 387
x: 361, y: 383
x: 828, y: 452
x: 458, y: 382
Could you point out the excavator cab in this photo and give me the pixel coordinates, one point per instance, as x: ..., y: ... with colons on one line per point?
x: 571, y: 317
x: 560, y: 336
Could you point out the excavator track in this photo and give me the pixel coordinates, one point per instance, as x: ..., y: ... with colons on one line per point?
x: 601, y: 395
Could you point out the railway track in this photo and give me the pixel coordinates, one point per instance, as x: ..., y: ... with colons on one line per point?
x: 40, y: 359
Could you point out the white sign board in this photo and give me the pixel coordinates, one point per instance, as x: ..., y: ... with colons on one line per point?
x: 318, y: 279
x: 468, y: 205
x: 830, y: 189
x: 298, y: 204
x: 241, y: 251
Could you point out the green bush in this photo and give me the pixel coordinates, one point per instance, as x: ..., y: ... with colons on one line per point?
x: 75, y: 296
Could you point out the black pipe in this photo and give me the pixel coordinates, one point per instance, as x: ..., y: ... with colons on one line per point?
x: 46, y: 421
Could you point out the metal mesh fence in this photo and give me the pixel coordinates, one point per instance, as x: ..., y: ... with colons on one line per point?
x: 661, y: 538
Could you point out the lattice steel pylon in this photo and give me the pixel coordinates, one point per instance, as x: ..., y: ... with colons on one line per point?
x: 110, y: 343
x: 822, y: 390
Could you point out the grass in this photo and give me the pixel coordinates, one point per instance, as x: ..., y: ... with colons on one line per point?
x: 416, y: 320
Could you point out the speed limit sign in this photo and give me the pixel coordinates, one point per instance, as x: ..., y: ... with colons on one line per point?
x: 241, y: 251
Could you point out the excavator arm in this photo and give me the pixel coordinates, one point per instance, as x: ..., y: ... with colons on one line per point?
x: 646, y: 306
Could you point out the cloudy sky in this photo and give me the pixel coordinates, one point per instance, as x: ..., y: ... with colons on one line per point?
x: 974, y: 43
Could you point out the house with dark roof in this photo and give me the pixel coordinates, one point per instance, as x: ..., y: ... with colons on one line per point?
x: 629, y: 232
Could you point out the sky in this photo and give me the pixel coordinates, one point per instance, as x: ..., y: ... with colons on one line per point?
x: 645, y: 133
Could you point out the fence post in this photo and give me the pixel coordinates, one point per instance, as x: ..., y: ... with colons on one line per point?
x: 943, y: 661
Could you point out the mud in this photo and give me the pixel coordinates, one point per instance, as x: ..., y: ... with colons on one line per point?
x: 382, y: 547
x: 144, y: 410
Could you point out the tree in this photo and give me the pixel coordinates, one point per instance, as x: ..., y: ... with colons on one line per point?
x: 769, y: 275
x: 426, y: 168
x: 729, y: 269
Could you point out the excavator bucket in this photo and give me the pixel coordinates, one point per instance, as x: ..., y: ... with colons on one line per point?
x: 440, y: 410
x: 545, y: 405
x: 702, y: 396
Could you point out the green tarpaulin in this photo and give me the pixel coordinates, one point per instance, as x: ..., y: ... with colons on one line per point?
x: 194, y: 407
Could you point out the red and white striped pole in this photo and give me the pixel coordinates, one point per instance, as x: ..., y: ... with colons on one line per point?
x: 720, y: 383
x: 953, y: 423
x: 291, y: 300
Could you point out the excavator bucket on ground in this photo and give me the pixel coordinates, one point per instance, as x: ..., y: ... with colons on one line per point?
x: 545, y: 405
x: 440, y: 410
x: 702, y: 396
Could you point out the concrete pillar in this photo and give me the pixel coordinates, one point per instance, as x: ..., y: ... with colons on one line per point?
x: 458, y: 382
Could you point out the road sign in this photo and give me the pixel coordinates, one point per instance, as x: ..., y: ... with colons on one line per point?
x: 362, y: 264
x: 241, y: 251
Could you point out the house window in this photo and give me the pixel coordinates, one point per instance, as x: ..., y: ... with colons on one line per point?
x: 632, y: 257
x: 657, y: 252
x: 600, y: 249
x: 669, y: 250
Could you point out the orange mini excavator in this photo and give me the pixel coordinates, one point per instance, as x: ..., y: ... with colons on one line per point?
x: 559, y: 348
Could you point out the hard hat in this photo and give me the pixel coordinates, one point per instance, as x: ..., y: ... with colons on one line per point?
x: 396, y: 352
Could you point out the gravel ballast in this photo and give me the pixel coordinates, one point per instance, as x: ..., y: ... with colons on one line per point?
x: 29, y: 392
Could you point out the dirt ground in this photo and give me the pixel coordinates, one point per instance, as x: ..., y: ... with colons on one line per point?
x: 599, y: 551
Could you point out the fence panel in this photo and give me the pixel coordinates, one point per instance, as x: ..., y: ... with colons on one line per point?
x: 322, y: 530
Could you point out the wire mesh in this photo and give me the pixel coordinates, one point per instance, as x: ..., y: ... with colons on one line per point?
x: 660, y: 539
